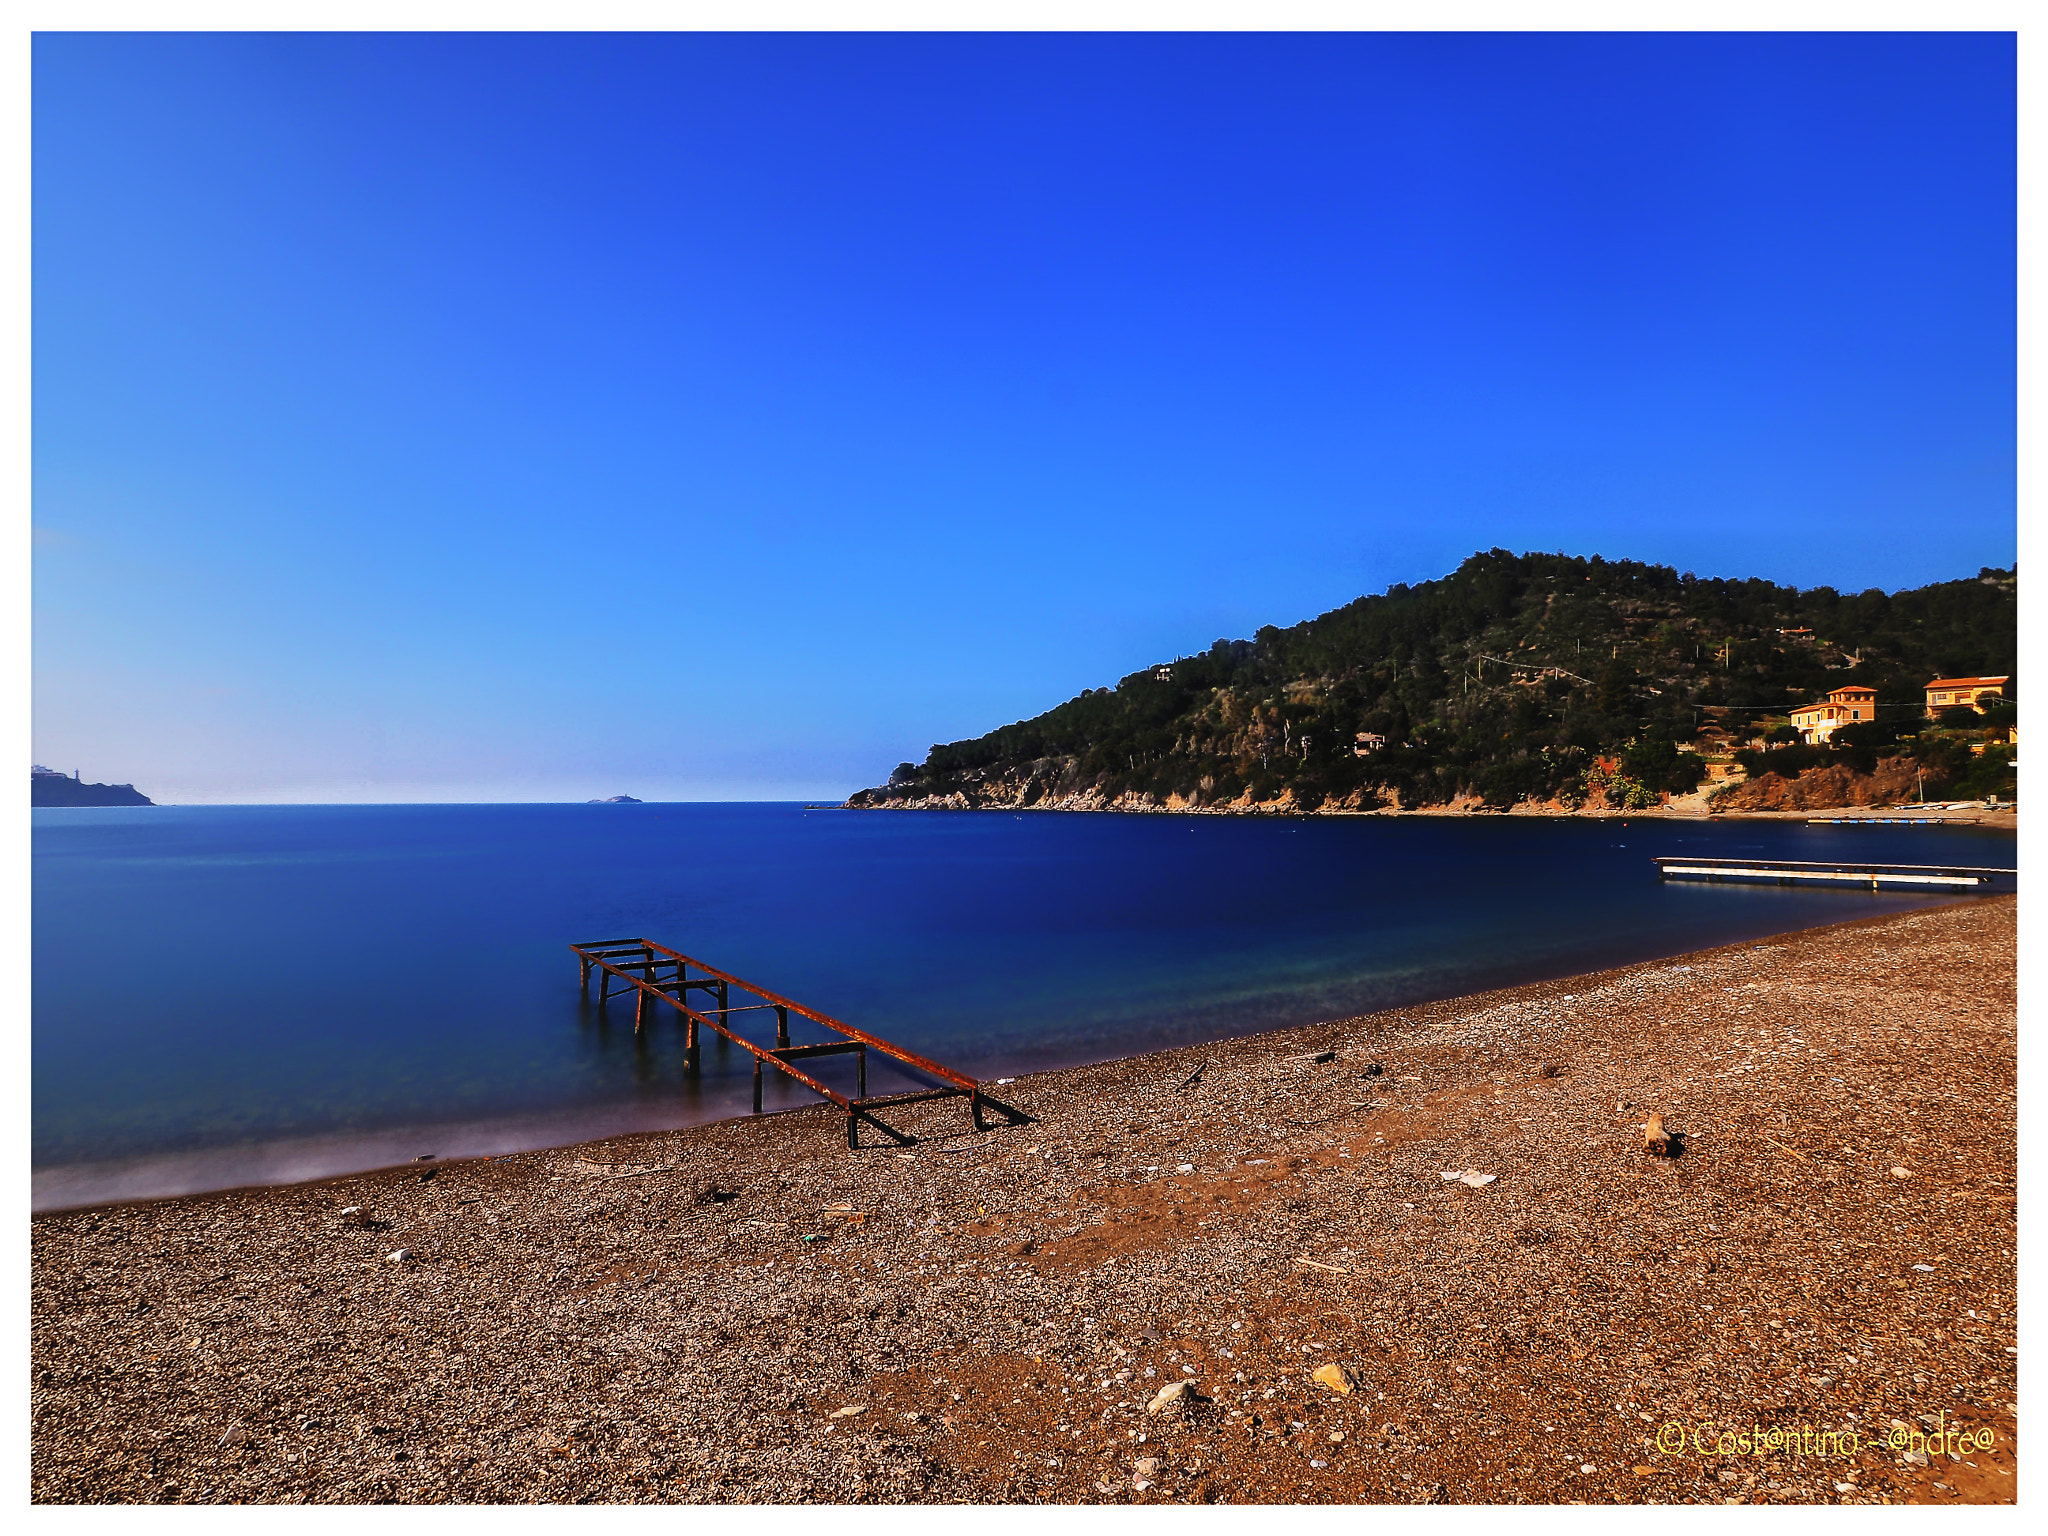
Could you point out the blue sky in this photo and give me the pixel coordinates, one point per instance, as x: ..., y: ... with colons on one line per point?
x: 468, y: 417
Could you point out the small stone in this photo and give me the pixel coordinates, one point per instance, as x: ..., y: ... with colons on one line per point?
x: 1587, y: 1466
x: 850, y: 1411
x: 1845, y: 1487
x: 1335, y: 1377
x: 1656, y: 1141
x: 1372, y: 1069
x: 1148, y: 1467
x: 399, y: 1257
x: 1900, y: 1173
x: 1323, y: 1056
x: 1925, y: 1269
x: 1915, y: 1458
x: 1174, y: 1394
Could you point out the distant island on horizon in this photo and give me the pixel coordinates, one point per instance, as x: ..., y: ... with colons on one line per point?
x: 1487, y: 689
x: 47, y: 787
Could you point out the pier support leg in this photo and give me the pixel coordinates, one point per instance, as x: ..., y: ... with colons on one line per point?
x: 757, y: 1085
x: 724, y: 1007
x: 781, y: 1025
x: 585, y: 978
x: 639, y: 1008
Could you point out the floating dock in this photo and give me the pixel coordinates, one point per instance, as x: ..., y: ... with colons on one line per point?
x: 1797, y: 872
x: 655, y: 973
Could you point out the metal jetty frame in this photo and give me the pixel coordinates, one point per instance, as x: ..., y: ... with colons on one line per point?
x: 655, y: 972
x: 1793, y: 871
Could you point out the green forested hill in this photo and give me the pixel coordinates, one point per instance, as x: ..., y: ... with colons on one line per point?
x: 1508, y: 679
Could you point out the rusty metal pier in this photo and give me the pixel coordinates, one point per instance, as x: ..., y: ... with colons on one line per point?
x: 657, y: 974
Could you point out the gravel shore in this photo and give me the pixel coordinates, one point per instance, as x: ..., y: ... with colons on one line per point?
x: 752, y: 1312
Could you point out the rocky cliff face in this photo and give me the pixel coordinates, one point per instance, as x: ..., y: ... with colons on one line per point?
x: 1829, y: 788
x: 1057, y: 784
x: 1054, y: 784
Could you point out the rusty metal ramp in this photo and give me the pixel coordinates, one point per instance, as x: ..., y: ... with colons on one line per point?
x: 656, y: 974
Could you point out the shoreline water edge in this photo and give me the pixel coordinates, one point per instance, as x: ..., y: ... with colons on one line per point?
x: 1418, y: 1256
x: 2003, y: 814
x: 995, y: 944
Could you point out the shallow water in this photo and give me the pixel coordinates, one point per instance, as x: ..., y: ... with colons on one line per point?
x: 240, y: 994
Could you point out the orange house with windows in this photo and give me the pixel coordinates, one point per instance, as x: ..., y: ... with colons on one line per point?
x: 1844, y: 706
x: 1947, y: 692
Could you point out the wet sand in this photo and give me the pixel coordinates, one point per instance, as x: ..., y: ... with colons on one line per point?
x: 751, y: 1312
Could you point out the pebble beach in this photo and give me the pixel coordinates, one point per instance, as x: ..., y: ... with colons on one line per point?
x: 1421, y: 1256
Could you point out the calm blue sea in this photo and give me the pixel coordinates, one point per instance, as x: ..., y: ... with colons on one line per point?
x: 227, y: 994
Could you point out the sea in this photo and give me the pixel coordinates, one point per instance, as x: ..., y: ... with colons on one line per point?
x: 233, y: 995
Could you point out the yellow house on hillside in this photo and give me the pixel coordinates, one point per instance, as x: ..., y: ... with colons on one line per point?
x: 1947, y: 692
x: 1845, y: 706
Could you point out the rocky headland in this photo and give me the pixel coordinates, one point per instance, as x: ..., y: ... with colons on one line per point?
x: 46, y: 788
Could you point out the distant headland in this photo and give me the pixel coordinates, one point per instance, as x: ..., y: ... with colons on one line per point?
x: 615, y: 800
x: 46, y: 786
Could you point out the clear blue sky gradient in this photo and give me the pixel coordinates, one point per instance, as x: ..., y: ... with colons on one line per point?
x: 470, y: 417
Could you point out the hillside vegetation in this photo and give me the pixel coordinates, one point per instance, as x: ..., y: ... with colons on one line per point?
x: 1518, y: 677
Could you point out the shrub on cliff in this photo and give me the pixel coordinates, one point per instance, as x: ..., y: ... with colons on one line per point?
x: 1655, y: 760
x: 1787, y: 762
